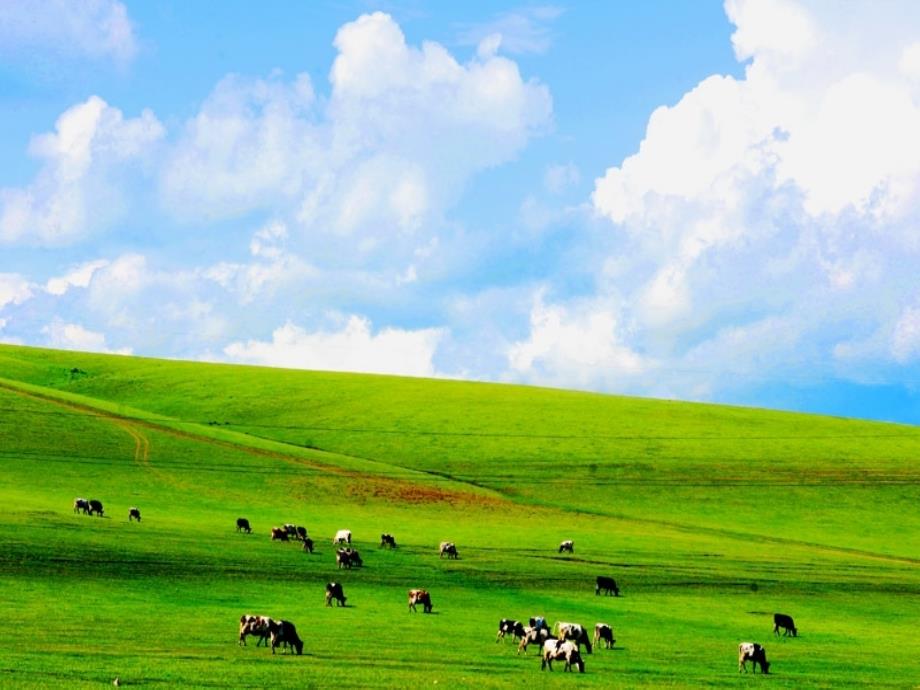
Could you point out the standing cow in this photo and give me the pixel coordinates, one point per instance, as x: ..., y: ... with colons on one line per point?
x: 420, y: 596
x: 608, y: 584
x: 348, y: 558
x: 334, y: 591
x: 574, y: 632
x: 254, y: 625
x: 535, y: 635
x: 343, y: 536
x: 387, y: 541
x: 567, y: 546
x: 308, y: 545
x: 284, y: 632
x: 242, y: 525
x: 448, y: 548
x: 604, y: 633
x: 752, y: 651
x: 561, y: 650
x: 508, y: 626
x: 96, y: 507
x: 134, y: 513
x: 781, y: 620
x: 279, y: 534
x: 81, y: 505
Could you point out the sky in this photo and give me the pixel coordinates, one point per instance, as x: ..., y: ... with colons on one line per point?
x: 678, y: 199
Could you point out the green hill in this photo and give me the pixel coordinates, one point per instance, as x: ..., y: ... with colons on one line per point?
x: 711, y: 518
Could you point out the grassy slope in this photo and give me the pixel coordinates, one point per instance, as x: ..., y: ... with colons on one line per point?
x: 710, y: 517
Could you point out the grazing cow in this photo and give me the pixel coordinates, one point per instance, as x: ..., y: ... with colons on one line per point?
x: 535, y: 635
x: 242, y: 525
x: 539, y: 622
x: 608, y: 584
x: 80, y: 505
x: 279, y: 534
x: 96, y: 507
x: 347, y: 558
x: 449, y: 548
x: 308, y: 545
x: 574, y: 632
x: 301, y: 532
x: 420, y: 596
x: 567, y: 546
x: 751, y: 651
x: 387, y: 540
x: 284, y: 632
x: 343, y: 536
x: 507, y: 626
x: 290, y: 529
x: 334, y: 591
x: 561, y: 650
x: 134, y: 513
x: 254, y: 625
x: 781, y: 620
x: 603, y: 632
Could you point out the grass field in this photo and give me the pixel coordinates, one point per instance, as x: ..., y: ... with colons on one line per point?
x: 710, y: 518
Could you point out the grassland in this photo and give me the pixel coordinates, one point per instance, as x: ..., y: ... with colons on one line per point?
x: 711, y: 518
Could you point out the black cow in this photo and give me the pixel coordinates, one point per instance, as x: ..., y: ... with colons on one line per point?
x: 751, y: 651
x: 507, y: 626
x: 334, y: 591
x: 284, y: 632
x: 96, y: 507
x: 608, y: 584
x: 781, y: 620
x: 308, y: 545
x: 80, y: 505
x: 242, y: 525
x: 301, y: 532
x: 388, y: 541
x: 134, y: 513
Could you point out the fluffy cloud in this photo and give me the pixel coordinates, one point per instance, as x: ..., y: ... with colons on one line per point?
x: 73, y: 193
x: 14, y: 289
x: 353, y: 347
x: 388, y: 151
x: 78, y: 276
x: 91, y: 28
x: 72, y: 336
x: 575, y: 345
x: 770, y: 218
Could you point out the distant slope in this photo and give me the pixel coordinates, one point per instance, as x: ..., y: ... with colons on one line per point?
x: 764, y: 472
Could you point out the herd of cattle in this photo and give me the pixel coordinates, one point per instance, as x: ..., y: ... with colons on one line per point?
x: 562, y: 642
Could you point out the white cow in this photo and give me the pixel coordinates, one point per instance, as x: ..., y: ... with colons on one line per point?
x: 343, y: 536
x: 574, y: 632
x: 752, y: 651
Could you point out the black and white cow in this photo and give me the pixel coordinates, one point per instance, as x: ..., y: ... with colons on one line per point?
x: 343, y: 536
x: 608, y: 584
x: 781, y: 620
x: 449, y: 548
x: 242, y: 525
x: 134, y: 513
x: 284, y: 632
x: 568, y: 546
x: 81, y: 505
x: 574, y: 632
x: 256, y: 626
x: 348, y: 558
x: 279, y: 534
x: 334, y: 591
x: 752, y: 651
x: 290, y: 529
x: 561, y: 650
x: 387, y: 541
x: 535, y: 635
x: 507, y: 626
x: 604, y: 633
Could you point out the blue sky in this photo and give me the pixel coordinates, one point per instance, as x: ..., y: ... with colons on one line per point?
x: 690, y: 200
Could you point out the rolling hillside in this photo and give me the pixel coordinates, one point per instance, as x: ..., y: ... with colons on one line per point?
x: 711, y: 518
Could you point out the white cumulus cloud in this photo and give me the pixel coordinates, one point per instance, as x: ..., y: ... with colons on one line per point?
x: 73, y: 336
x: 354, y: 346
